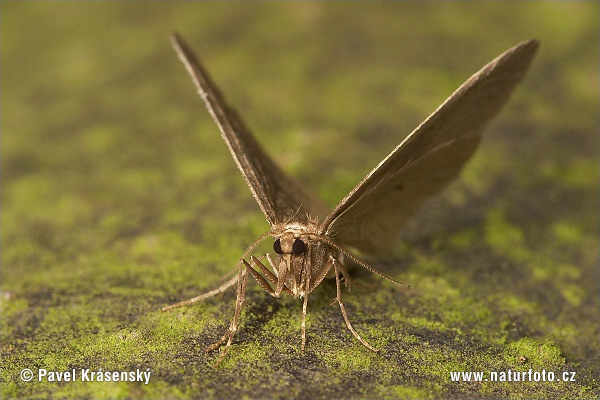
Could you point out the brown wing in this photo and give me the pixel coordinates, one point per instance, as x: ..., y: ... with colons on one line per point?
x: 429, y: 158
x: 279, y: 196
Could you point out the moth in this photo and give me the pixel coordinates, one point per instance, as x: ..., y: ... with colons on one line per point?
x: 311, y: 242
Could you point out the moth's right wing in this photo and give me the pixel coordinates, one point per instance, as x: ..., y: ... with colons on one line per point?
x: 279, y: 196
x: 370, y: 217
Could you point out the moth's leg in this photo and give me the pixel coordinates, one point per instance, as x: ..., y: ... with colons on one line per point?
x: 269, y: 259
x: 271, y: 262
x: 345, y: 275
x: 282, y: 272
x: 322, y: 274
x: 269, y: 275
x: 204, y: 296
x: 339, y: 300
x: 262, y: 282
x: 228, y: 336
x: 304, y: 306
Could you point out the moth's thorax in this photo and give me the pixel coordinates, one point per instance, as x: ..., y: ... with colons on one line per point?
x: 294, y: 228
x: 299, y: 255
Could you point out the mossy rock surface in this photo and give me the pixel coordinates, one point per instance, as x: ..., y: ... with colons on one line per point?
x: 119, y: 197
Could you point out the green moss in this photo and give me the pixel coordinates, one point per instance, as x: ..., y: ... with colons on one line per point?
x: 572, y: 294
x: 107, y: 390
x: 254, y: 353
x: 355, y: 359
x: 463, y: 239
x: 286, y: 321
x: 579, y: 173
x: 421, y: 322
x: 567, y: 233
x: 504, y: 237
x: 12, y: 309
x: 536, y: 353
x: 404, y: 392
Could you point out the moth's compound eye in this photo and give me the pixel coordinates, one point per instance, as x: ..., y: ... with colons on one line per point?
x: 298, y: 247
x: 277, y: 247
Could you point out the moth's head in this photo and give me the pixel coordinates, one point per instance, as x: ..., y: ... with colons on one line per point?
x: 290, y: 246
x: 289, y: 243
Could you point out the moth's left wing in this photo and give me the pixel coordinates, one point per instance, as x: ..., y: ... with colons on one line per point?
x: 429, y: 158
x: 279, y: 196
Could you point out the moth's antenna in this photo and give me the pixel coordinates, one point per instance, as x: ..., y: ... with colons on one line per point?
x: 255, y: 244
x: 296, y: 212
x: 354, y: 258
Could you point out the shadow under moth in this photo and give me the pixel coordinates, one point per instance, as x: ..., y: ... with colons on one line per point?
x: 312, y: 242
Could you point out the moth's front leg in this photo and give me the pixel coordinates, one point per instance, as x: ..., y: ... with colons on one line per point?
x: 338, y: 298
x: 242, y: 279
x: 305, y: 305
x: 262, y: 282
x: 269, y: 260
x: 268, y: 274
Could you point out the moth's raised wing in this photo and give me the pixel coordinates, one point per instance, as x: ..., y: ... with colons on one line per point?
x: 429, y: 158
x: 279, y: 196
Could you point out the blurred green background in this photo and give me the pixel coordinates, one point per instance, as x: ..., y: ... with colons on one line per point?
x: 119, y: 197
